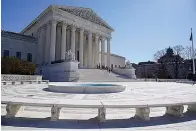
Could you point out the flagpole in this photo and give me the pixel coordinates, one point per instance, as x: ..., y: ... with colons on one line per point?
x: 193, y: 54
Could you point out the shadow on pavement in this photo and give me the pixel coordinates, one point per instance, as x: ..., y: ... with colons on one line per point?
x: 92, y: 124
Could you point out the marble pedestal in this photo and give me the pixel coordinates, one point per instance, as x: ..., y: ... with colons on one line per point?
x: 175, y: 110
x: 61, y: 72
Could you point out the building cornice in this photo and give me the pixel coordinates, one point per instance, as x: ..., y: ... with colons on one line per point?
x: 114, y: 55
x: 61, y: 15
x: 17, y: 36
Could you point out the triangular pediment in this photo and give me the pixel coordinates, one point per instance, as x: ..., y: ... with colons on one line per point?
x: 85, y: 13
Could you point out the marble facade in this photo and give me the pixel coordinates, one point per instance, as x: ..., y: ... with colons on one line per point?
x: 61, y: 28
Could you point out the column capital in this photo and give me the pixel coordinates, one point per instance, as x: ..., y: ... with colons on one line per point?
x: 64, y: 23
x: 103, y: 38
x: 90, y: 32
x: 81, y: 30
x: 47, y: 24
x: 97, y: 36
x: 54, y: 21
x: 73, y: 28
x: 109, y: 38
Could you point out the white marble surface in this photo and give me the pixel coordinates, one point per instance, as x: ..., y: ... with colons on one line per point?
x: 134, y: 91
x: 116, y: 119
x: 86, y: 89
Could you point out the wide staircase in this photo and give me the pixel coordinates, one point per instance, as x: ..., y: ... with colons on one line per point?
x: 97, y: 75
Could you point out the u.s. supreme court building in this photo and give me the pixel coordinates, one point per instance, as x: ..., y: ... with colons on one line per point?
x: 59, y: 29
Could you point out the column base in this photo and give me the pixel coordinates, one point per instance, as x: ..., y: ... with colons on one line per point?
x: 175, y: 110
x: 81, y: 66
x: 101, y: 114
x: 13, y: 83
x: 12, y: 110
x: 55, y: 111
x: 143, y: 113
x: 192, y: 108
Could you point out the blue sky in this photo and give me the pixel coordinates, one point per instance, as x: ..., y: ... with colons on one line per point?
x: 141, y: 26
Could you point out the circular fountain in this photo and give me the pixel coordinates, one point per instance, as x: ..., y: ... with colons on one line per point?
x: 86, y: 88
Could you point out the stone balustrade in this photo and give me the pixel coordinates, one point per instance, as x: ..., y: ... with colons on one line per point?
x: 25, y: 81
x: 11, y: 77
x: 174, y: 108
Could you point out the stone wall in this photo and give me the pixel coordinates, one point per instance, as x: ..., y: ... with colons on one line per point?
x: 114, y: 60
x: 129, y: 72
x: 15, y: 42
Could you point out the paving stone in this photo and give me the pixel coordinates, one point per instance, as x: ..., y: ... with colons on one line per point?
x: 117, y: 118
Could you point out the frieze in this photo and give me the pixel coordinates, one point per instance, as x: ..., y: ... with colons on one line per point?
x: 71, y: 18
x: 87, y: 14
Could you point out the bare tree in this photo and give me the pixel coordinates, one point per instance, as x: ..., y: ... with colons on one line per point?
x: 178, y: 50
x: 188, y: 52
x: 159, y: 54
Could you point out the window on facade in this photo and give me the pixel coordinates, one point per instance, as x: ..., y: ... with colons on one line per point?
x: 6, y: 53
x: 18, y: 55
x: 29, y: 57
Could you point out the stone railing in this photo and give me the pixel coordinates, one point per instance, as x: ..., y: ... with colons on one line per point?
x: 10, y: 77
x: 24, y: 82
x: 165, y: 80
x: 173, y: 107
x: 171, y: 80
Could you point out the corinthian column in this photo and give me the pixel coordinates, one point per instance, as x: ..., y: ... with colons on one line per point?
x: 89, y: 49
x: 81, y: 47
x: 47, y: 52
x: 96, y: 50
x: 63, y: 41
x: 42, y: 45
x: 103, y: 51
x: 108, y: 52
x: 53, y: 41
x: 73, y: 41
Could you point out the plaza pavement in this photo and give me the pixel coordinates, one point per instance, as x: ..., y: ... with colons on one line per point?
x: 37, y: 118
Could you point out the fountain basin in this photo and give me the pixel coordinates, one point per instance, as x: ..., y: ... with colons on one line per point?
x: 87, y: 88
